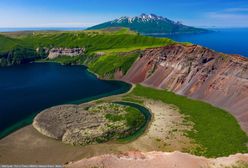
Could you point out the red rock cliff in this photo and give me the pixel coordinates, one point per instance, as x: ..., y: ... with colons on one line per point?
x: 197, y: 72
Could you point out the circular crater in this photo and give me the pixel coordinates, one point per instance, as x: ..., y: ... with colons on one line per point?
x: 81, y: 125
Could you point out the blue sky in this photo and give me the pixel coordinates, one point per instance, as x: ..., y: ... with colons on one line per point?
x: 83, y: 13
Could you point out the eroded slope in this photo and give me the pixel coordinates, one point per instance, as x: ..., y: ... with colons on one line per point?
x: 196, y: 72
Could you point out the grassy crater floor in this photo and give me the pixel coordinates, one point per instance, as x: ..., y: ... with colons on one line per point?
x: 216, y: 131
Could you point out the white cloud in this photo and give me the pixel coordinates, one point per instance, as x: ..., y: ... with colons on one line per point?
x: 236, y: 10
x: 229, y: 16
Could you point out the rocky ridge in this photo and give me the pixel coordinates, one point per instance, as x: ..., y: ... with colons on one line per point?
x: 55, y: 52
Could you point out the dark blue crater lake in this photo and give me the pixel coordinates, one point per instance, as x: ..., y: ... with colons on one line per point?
x: 27, y: 89
x: 230, y: 41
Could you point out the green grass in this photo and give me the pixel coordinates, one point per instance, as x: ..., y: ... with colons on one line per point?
x: 128, y: 49
x: 217, y: 131
x: 134, y: 118
x: 8, y: 44
x: 114, y: 117
x: 94, y: 40
x: 131, y: 99
x: 108, y: 64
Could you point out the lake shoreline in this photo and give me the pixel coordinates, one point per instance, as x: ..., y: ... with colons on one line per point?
x: 124, y: 88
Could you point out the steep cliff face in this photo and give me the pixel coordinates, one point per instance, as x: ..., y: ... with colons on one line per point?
x: 197, y: 72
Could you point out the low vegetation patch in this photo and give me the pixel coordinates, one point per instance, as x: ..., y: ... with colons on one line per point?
x: 115, y: 112
x: 215, y: 130
x: 133, y: 117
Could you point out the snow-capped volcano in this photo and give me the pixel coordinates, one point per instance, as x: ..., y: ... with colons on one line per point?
x: 149, y: 24
x: 142, y: 18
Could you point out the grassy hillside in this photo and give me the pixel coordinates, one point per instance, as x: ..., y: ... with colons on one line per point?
x: 108, y: 64
x: 120, y: 38
x: 95, y: 40
x: 215, y: 130
x: 7, y: 43
x: 107, y: 41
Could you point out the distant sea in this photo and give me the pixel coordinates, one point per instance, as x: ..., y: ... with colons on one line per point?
x: 229, y: 40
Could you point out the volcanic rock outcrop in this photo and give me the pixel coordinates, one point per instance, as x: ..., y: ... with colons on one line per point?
x: 197, y: 72
x: 77, y: 124
x: 55, y: 52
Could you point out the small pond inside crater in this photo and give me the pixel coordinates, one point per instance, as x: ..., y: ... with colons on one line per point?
x: 142, y: 129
